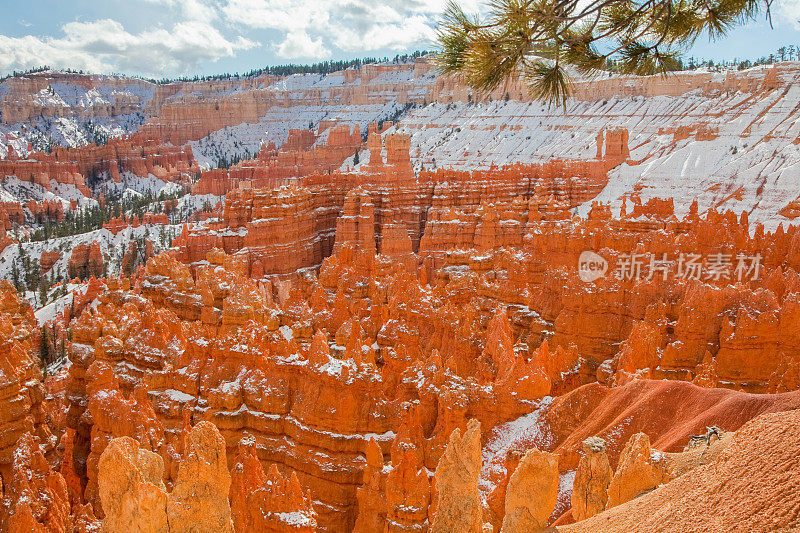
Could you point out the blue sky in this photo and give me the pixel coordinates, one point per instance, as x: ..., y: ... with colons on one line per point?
x: 184, y: 37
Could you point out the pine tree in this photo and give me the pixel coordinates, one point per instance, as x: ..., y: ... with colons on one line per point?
x: 44, y: 352
x: 355, y: 158
x: 44, y: 285
x: 15, y: 276
x: 540, y: 39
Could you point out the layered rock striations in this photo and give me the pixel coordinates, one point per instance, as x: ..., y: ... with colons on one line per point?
x: 133, y: 155
x: 351, y: 380
x: 303, y: 153
x: 21, y: 387
x: 385, y: 348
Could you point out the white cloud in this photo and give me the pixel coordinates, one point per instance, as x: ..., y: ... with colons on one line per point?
x: 105, y: 46
x: 349, y: 25
x: 298, y: 44
x: 199, y: 10
x: 411, y: 33
x: 185, y: 35
x: 788, y: 10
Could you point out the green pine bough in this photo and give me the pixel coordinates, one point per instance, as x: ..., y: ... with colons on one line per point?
x: 546, y: 41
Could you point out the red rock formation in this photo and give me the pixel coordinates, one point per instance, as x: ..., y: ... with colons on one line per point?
x: 135, y: 497
x: 457, y: 502
x: 685, y: 409
x: 590, y: 488
x: 372, y: 494
x: 452, y: 297
x: 267, y: 502
x: 407, y: 484
x: 199, y: 498
x: 35, y: 497
x: 531, y: 493
x: 10, y: 213
x: 352, y: 322
x: 134, y: 154
x: 117, y: 224
x: 635, y: 473
x: 114, y: 416
x: 22, y: 103
x: 21, y: 390
x: 749, y: 487
x: 298, y: 156
x: 50, y: 209
x: 86, y: 260
x: 48, y: 259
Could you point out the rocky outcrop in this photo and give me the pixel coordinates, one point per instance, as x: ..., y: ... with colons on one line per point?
x: 366, y: 367
x: 199, y: 497
x: 357, y: 331
x: 48, y: 259
x: 21, y: 389
x: 267, y: 502
x: 302, y: 154
x: 135, y: 498
x: 51, y: 210
x: 131, y: 487
x: 635, y: 472
x: 531, y: 493
x: 35, y: 498
x: 457, y: 501
x: 136, y: 155
x: 111, y: 415
x: 372, y: 494
x: 86, y: 260
x: 592, y: 478
x: 20, y: 102
x: 750, y: 486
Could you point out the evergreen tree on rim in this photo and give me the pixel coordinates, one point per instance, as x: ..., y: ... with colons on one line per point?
x: 546, y: 40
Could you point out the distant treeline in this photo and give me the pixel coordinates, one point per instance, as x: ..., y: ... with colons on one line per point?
x: 784, y: 53
x: 33, y: 70
x: 323, y: 67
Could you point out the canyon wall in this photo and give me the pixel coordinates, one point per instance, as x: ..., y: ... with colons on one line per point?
x: 353, y: 378
x: 482, y: 310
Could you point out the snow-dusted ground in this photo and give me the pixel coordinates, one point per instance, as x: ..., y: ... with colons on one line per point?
x: 274, y: 127
x: 50, y: 311
x: 749, y: 163
x: 194, y: 202
x: 751, y: 166
x: 76, y: 113
x: 748, y: 167
x: 112, y: 247
x: 12, y: 189
x: 65, y: 131
x: 521, y: 434
x: 527, y: 430
x: 131, y: 183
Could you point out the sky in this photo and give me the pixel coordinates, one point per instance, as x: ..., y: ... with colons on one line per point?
x: 170, y: 38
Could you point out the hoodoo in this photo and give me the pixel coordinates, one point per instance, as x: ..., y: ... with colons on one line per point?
x: 464, y: 291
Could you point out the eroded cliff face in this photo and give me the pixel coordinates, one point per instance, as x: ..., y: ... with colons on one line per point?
x: 353, y: 380
x: 383, y: 348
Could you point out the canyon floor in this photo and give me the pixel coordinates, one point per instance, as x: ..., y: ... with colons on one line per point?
x: 372, y: 301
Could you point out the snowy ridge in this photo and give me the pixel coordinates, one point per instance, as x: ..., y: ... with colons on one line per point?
x: 740, y: 149
x: 112, y: 248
